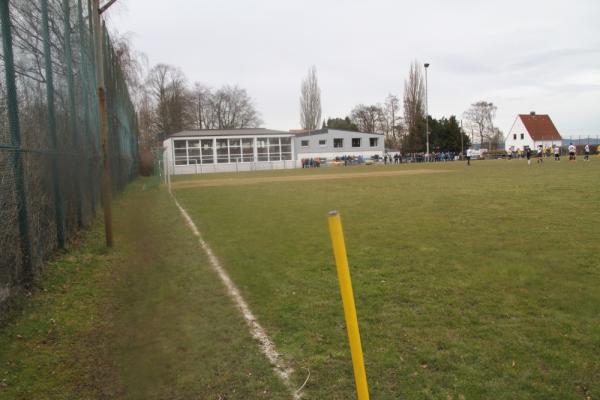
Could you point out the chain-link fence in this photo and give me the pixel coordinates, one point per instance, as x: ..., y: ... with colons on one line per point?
x: 50, y: 159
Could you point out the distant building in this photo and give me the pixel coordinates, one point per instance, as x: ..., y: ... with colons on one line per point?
x: 228, y: 150
x: 252, y: 149
x: 532, y: 130
x: 331, y: 143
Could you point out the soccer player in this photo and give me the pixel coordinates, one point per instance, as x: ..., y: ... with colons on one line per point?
x: 540, y: 154
x: 528, y: 155
x: 572, y: 152
x: 469, y: 152
x: 586, y: 153
x: 556, y: 153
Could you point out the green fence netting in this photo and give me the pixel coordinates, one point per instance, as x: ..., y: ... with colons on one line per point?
x: 50, y: 159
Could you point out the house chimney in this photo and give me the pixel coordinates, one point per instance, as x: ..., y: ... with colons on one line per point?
x: 532, y: 113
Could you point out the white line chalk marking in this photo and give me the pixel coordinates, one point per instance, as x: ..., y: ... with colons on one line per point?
x: 256, y: 330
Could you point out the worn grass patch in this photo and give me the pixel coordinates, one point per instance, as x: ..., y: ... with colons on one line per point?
x: 480, y: 283
x: 147, y: 320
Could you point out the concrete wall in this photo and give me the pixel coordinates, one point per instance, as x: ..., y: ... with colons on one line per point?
x: 234, y: 167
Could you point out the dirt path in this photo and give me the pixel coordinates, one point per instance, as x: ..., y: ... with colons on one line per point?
x: 299, y: 178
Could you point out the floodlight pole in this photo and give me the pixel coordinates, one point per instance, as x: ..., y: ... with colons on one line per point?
x: 106, y: 186
x: 462, y: 141
x: 426, y: 112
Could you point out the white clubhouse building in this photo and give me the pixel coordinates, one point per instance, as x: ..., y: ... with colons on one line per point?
x: 252, y: 149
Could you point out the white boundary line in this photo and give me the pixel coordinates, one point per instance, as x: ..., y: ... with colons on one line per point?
x: 256, y: 330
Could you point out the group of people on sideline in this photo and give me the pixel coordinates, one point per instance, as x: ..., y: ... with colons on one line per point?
x: 549, y: 151
x: 311, y: 162
x: 540, y: 153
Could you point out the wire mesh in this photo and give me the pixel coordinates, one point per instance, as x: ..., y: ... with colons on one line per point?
x: 50, y: 165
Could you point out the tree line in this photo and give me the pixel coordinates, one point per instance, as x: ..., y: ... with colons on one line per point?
x: 168, y: 103
x: 403, y: 121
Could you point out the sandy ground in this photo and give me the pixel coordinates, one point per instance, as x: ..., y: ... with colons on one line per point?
x: 298, y: 178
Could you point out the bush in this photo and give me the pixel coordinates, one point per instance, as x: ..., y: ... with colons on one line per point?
x: 146, y: 162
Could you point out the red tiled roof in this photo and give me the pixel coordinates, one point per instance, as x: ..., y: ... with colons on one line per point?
x: 540, y: 127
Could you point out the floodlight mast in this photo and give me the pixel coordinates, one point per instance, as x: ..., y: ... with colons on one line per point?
x: 426, y: 113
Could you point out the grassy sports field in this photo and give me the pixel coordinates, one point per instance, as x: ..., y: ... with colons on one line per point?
x: 470, y: 282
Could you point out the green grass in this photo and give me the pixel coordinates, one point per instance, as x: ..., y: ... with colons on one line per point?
x: 483, y: 282
x: 147, y: 320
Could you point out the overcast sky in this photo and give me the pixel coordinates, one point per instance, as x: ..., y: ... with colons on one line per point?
x: 521, y: 55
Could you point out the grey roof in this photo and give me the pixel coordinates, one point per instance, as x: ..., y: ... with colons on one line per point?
x: 229, y: 132
x: 326, y: 130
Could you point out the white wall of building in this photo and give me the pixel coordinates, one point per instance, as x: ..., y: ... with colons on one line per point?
x: 234, y: 166
x: 331, y: 156
x: 321, y: 144
x: 517, y: 130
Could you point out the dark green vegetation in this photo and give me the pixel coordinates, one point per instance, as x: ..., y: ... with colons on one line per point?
x: 148, y: 320
x: 483, y: 282
x: 344, y: 124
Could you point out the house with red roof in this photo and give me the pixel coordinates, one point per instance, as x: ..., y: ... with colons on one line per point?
x: 532, y: 130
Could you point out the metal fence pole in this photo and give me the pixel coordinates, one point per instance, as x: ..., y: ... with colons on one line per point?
x: 86, y: 107
x: 102, y: 111
x: 58, y: 202
x: 72, y: 119
x: 15, y: 141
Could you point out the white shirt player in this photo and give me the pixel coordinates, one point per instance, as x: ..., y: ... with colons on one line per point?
x: 587, y: 148
x: 571, y: 149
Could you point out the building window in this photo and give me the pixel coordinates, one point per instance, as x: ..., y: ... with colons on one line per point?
x: 304, y: 143
x: 235, y: 150
x: 262, y: 149
x: 522, y: 136
x: 373, y: 141
x: 180, y: 152
x: 274, y: 149
x: 207, y: 151
x: 222, y: 151
x: 355, y: 142
x: 286, y: 148
x: 193, y: 148
x: 247, y: 150
x: 338, y: 143
x: 322, y: 142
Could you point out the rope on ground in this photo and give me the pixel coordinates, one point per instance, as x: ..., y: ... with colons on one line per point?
x: 305, y: 382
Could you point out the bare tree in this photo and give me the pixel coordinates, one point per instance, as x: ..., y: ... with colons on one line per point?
x: 166, y: 85
x: 414, y: 114
x: 310, y: 101
x: 392, y: 127
x: 368, y: 118
x: 134, y: 65
x: 201, y: 107
x: 480, y: 119
x: 233, y: 109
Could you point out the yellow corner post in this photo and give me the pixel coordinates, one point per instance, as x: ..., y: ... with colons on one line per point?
x: 341, y: 261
